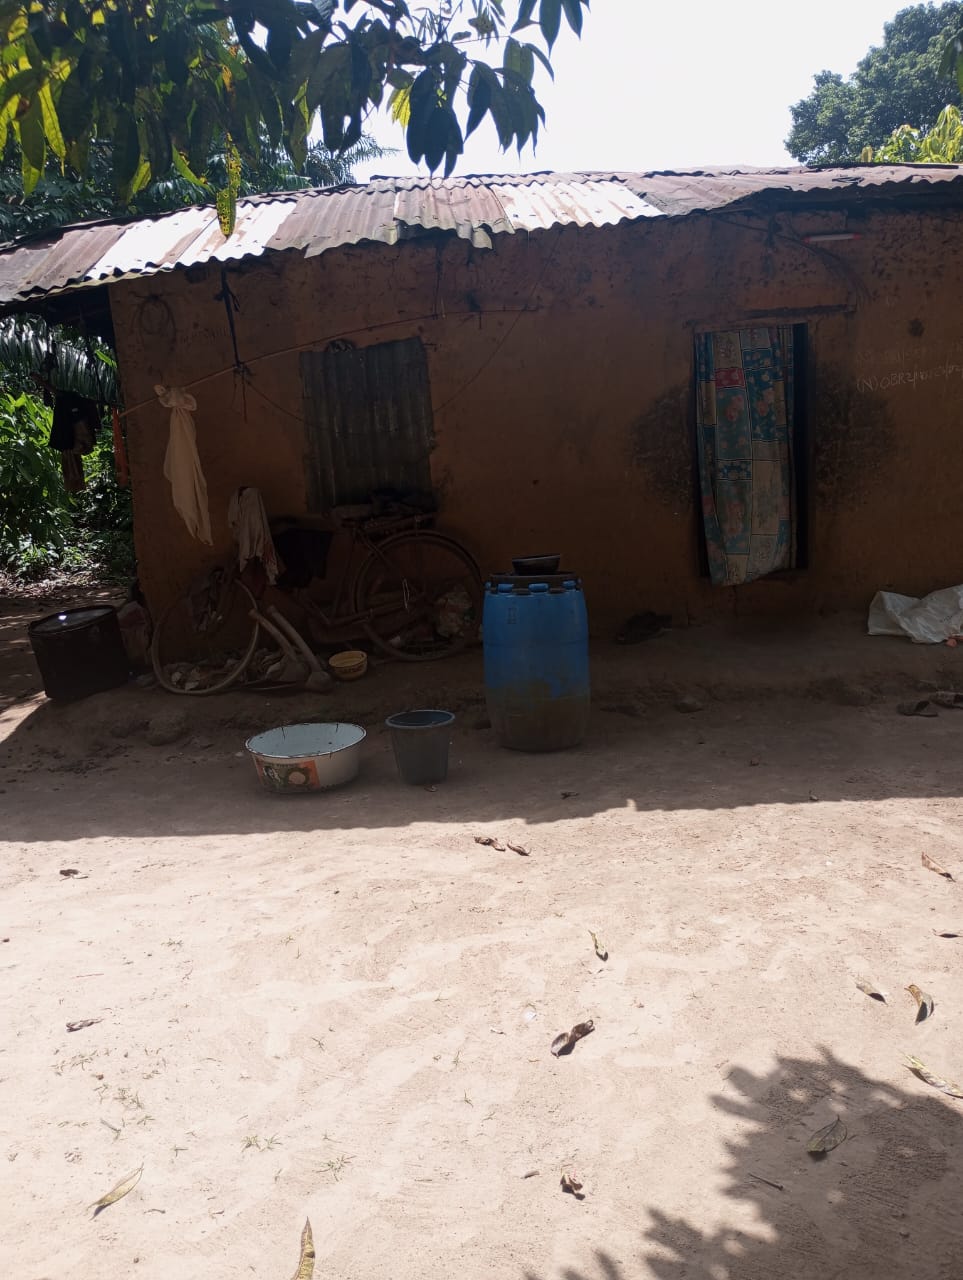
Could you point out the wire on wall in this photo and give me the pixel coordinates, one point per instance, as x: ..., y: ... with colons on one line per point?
x: 323, y: 339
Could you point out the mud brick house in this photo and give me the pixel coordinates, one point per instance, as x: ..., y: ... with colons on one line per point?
x: 714, y: 391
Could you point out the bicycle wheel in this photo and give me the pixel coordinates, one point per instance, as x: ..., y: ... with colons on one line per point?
x: 200, y: 660
x: 421, y: 594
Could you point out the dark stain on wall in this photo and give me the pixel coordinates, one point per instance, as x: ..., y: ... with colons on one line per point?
x: 852, y: 438
x: 661, y: 442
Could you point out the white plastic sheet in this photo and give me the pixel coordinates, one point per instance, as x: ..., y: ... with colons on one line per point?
x: 932, y: 620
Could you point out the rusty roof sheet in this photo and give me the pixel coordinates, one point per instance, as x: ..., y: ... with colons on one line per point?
x: 703, y: 190
x: 475, y: 208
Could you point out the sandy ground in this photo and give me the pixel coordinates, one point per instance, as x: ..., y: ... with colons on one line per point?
x: 341, y: 1007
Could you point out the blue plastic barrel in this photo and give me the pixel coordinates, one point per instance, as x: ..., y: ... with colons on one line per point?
x: 536, y: 661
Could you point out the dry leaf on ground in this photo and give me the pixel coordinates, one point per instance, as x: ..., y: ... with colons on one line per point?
x: 825, y: 1139
x: 930, y: 865
x: 520, y: 849
x: 918, y: 707
x: 117, y: 1193
x: 924, y: 1002
x: 491, y: 842
x: 924, y: 1073
x: 600, y: 949
x: 871, y: 989
x: 777, y: 1186
x: 565, y: 1042
x: 948, y: 698
x: 573, y: 1184
x: 305, y: 1269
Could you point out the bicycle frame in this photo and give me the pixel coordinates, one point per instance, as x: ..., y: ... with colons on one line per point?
x: 377, y: 540
x: 334, y: 619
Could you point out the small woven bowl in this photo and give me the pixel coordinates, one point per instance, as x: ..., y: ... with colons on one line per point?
x: 349, y: 666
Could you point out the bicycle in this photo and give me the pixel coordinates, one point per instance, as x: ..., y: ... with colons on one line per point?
x: 416, y: 595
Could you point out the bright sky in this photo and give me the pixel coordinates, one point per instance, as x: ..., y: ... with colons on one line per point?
x: 656, y: 85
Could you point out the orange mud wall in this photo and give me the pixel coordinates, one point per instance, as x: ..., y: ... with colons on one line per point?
x: 561, y: 379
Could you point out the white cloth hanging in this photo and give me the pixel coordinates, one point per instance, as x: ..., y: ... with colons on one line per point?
x: 252, y: 533
x: 182, y: 466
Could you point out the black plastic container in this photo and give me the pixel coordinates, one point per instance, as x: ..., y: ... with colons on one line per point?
x: 525, y: 565
x: 79, y: 652
x: 421, y: 740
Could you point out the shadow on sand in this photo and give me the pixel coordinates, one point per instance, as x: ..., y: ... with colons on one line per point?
x: 885, y: 1204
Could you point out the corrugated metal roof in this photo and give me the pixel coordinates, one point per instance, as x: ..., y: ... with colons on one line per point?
x: 476, y: 208
x: 702, y: 190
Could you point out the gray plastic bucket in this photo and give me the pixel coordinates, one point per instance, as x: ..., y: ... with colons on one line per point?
x: 421, y: 740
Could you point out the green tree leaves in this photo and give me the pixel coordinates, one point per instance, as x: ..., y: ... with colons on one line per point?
x: 226, y: 199
x: 126, y: 151
x: 903, y: 81
x: 64, y: 197
x: 550, y: 20
x: 434, y: 133
x: 573, y: 14
x: 158, y: 83
x: 51, y: 122
x: 942, y: 144
x: 32, y: 145
x: 34, y: 516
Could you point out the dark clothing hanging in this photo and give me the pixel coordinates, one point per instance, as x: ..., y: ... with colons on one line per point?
x: 73, y: 471
x: 75, y: 423
x: 73, y: 432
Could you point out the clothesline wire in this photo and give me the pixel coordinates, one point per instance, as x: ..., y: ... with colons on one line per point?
x: 330, y: 337
x: 546, y: 262
x: 826, y: 256
x: 527, y: 310
x: 274, y: 404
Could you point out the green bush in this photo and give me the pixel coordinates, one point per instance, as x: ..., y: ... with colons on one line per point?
x: 104, y: 519
x: 35, y: 518
x: 43, y: 528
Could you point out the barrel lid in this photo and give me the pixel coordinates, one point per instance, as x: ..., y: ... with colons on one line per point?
x: 67, y: 619
x: 503, y: 583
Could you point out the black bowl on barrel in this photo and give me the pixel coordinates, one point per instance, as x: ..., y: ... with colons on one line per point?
x: 525, y: 566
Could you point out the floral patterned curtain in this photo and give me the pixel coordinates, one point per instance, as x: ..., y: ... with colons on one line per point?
x: 744, y: 419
